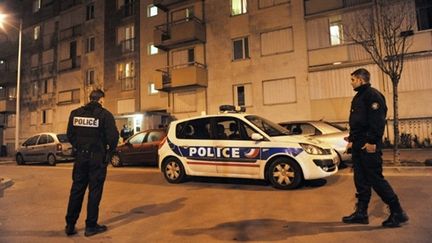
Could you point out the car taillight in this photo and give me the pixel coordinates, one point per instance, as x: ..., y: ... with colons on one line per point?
x: 59, y: 147
x: 162, y: 142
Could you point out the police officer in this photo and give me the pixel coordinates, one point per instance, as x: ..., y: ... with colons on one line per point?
x: 94, y: 136
x: 367, y: 120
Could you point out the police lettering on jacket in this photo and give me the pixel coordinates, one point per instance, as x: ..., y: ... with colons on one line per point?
x: 85, y: 122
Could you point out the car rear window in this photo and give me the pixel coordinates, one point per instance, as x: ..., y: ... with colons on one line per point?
x: 62, y: 138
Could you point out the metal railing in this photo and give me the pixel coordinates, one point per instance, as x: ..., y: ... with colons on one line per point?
x: 70, y: 32
x: 127, y: 45
x: 166, y: 28
x: 166, y: 71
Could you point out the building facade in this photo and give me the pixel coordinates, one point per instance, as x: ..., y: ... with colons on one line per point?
x: 281, y: 59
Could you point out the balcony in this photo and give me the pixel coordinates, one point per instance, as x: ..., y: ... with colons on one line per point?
x: 191, y: 74
x: 42, y: 71
x: 69, y: 64
x: 182, y: 32
x: 8, y: 77
x: 127, y: 45
x: 71, y: 32
x: 66, y: 4
x: 318, y: 6
x: 127, y: 83
x: 7, y: 106
x: 127, y: 10
x: 166, y: 5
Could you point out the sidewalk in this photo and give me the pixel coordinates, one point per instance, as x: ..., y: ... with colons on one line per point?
x: 409, y: 157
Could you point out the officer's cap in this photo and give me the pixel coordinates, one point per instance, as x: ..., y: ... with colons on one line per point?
x: 96, y: 94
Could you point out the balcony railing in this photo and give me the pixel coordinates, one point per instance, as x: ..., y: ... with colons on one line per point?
x: 71, y: 32
x: 180, y: 32
x: 127, y: 45
x: 7, y: 106
x: 127, y: 10
x: 127, y: 83
x: 42, y: 71
x: 183, y: 75
x: 69, y: 64
x: 317, y: 6
x: 166, y: 5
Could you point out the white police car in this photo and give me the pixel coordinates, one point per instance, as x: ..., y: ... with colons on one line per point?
x: 239, y: 145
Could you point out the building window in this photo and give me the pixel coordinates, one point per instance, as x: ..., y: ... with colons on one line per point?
x: 152, y: 89
x: 36, y: 5
x: 336, y: 30
x: 36, y: 32
x: 90, y: 13
x: 11, y: 92
x: 242, y: 94
x: 424, y: 14
x: 90, y: 44
x: 47, y: 86
x: 277, y: 41
x: 46, y: 116
x: 125, y: 70
x: 90, y: 76
x: 152, y: 10
x: 151, y: 49
x: 240, y: 48
x: 238, y: 7
x: 280, y: 91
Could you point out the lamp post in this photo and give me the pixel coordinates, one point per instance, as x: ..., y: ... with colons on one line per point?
x: 17, y: 112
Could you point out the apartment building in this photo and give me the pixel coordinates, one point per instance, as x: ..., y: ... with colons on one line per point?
x: 282, y: 59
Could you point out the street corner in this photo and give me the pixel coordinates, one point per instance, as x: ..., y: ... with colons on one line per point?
x: 5, y: 183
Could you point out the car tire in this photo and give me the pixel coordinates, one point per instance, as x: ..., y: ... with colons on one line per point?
x: 115, y: 161
x: 173, y: 170
x: 19, y: 159
x: 51, y: 159
x: 285, y: 174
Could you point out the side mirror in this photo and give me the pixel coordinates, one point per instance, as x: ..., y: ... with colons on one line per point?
x: 257, y: 137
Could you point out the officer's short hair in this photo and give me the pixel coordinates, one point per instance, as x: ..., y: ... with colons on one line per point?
x: 96, y: 94
x: 362, y: 73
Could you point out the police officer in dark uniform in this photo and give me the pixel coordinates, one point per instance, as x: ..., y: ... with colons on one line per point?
x: 94, y: 136
x: 367, y: 121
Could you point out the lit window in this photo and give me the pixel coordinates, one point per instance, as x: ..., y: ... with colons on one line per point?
x: 36, y: 32
x: 238, y: 7
x: 36, y: 5
x: 152, y: 89
x: 336, y: 31
x: 152, y: 10
x: 240, y: 48
x: 125, y: 70
x: 152, y: 50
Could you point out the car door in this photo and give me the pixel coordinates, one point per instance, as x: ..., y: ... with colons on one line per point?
x: 237, y: 154
x: 28, y: 147
x: 196, y: 146
x: 41, y: 149
x: 150, y: 145
x: 132, y: 150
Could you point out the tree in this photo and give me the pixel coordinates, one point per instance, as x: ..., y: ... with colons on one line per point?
x: 384, y: 32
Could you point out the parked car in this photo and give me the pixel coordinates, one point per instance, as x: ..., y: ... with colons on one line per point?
x: 240, y: 145
x: 142, y: 148
x: 45, y: 147
x: 330, y: 133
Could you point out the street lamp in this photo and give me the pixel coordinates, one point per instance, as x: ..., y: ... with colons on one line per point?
x: 17, y: 112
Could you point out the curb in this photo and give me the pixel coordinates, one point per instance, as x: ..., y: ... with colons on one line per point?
x: 5, y: 183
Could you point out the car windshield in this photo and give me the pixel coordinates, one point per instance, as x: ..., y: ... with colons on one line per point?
x: 270, y: 128
x: 62, y: 138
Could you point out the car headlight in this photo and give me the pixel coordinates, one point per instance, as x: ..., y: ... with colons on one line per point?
x: 312, y: 149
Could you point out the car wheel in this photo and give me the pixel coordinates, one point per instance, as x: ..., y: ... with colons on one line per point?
x: 115, y: 160
x: 285, y: 174
x: 19, y: 159
x: 51, y: 160
x: 173, y: 170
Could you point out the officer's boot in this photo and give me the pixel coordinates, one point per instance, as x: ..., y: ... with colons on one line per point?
x: 359, y: 216
x: 397, y: 215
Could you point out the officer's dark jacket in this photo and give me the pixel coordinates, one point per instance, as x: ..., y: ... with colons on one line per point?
x: 91, y: 127
x: 367, y: 116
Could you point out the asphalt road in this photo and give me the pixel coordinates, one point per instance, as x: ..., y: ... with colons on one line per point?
x: 140, y: 206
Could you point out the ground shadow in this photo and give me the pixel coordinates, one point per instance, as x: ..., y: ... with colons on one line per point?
x: 271, y: 229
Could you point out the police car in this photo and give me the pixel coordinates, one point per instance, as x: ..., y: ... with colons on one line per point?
x: 239, y: 145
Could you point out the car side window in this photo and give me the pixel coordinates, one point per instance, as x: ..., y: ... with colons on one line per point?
x: 43, y: 139
x: 308, y: 129
x: 230, y: 128
x: 194, y: 129
x: 138, y: 138
x: 50, y: 139
x: 154, y: 136
x: 31, y: 141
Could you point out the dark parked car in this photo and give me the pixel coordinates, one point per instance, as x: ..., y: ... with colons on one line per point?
x: 330, y: 133
x: 141, y: 148
x: 45, y: 147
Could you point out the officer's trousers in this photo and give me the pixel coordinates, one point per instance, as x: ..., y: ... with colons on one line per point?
x: 89, y: 170
x: 368, y: 174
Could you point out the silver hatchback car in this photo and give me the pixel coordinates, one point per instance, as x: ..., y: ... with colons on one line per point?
x: 45, y: 147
